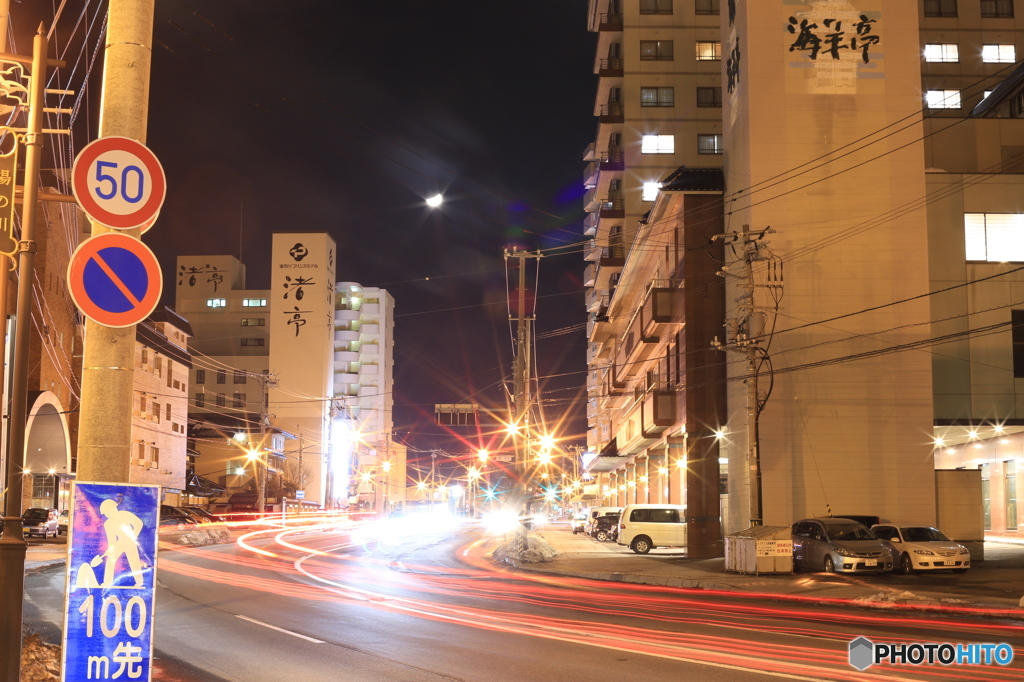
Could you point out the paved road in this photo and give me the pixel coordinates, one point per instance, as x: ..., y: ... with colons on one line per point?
x: 333, y: 606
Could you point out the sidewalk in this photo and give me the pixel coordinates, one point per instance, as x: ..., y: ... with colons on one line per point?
x: 42, y: 555
x: 996, y: 583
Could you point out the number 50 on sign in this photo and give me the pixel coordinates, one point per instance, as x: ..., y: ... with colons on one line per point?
x: 119, y: 183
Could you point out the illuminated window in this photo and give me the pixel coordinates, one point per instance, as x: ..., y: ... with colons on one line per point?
x: 709, y: 51
x: 651, y: 190
x: 658, y: 144
x: 656, y: 50
x: 709, y: 144
x: 254, y: 303
x: 1002, y: 9
x: 254, y: 321
x: 940, y: 8
x: 943, y: 99
x: 994, y: 237
x: 999, y: 54
x: 942, y: 52
x: 216, y: 303
x: 657, y: 97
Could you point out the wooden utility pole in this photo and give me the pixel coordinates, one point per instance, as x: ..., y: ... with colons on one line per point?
x: 108, y: 363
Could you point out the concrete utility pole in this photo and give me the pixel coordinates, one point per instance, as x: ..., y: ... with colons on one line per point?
x: 12, y: 544
x: 747, y: 339
x: 521, y: 398
x: 108, y: 362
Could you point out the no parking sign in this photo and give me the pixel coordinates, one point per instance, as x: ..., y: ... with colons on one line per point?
x: 114, y: 279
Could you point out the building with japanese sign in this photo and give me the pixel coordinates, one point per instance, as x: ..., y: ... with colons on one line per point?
x: 304, y: 367
x: 871, y: 156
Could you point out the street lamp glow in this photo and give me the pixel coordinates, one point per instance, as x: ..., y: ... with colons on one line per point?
x: 720, y: 434
x: 435, y: 201
x: 386, y: 466
x: 483, y: 455
x: 253, y: 455
x: 422, y: 485
x: 547, y: 442
x: 512, y: 429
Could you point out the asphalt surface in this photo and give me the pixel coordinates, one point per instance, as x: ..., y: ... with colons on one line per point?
x: 434, y: 606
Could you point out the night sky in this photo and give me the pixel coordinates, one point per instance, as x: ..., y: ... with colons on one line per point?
x: 343, y: 116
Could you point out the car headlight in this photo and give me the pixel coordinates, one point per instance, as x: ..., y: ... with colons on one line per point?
x: 964, y: 551
x: 924, y: 551
x: 843, y: 552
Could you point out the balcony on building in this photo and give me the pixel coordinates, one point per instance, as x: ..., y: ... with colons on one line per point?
x: 613, y: 160
x: 346, y: 315
x: 657, y: 403
x: 599, y: 329
x: 590, y: 174
x: 591, y: 204
x: 368, y: 369
x: 613, y: 112
x: 610, y: 21
x: 343, y: 335
x: 370, y: 349
x: 370, y: 329
x: 370, y: 309
x: 590, y: 224
x: 610, y: 68
x: 590, y: 275
x: 613, y: 206
x: 657, y: 310
x: 346, y: 356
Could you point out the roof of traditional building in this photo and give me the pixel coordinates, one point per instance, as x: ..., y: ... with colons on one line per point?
x: 685, y: 179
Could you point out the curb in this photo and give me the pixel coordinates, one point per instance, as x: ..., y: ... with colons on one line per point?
x: 38, y: 566
x: 925, y: 603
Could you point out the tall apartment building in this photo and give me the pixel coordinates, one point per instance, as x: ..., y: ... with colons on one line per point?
x: 659, y: 114
x: 658, y: 107
x: 881, y: 142
x: 312, y: 356
x: 364, y: 319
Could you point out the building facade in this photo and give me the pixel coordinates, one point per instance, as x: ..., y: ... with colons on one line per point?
x: 872, y: 318
x: 309, y: 359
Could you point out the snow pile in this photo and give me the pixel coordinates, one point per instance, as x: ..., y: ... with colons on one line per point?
x: 205, y: 534
x: 887, y: 599
x: 539, y: 551
x: 40, y: 662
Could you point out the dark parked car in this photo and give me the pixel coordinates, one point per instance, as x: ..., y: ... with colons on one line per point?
x: 40, y: 521
x: 204, y: 514
x: 838, y: 545
x: 606, y: 527
x: 172, y: 516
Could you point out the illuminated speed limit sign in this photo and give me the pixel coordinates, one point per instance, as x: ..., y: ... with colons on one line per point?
x: 119, y: 183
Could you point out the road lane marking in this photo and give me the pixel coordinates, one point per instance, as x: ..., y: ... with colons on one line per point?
x: 273, y: 627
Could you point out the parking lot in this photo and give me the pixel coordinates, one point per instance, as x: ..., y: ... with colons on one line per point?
x: 997, y: 580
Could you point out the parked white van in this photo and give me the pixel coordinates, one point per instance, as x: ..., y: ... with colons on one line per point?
x: 643, y: 527
x: 594, y: 512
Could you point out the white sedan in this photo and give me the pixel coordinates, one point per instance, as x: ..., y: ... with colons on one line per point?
x: 923, y: 548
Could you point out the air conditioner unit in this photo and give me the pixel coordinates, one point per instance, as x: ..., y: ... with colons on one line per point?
x: 136, y: 413
x: 153, y: 465
x: 145, y: 366
x: 140, y: 462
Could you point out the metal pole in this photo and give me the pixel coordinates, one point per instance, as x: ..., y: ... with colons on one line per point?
x: 12, y: 544
x: 108, y: 362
